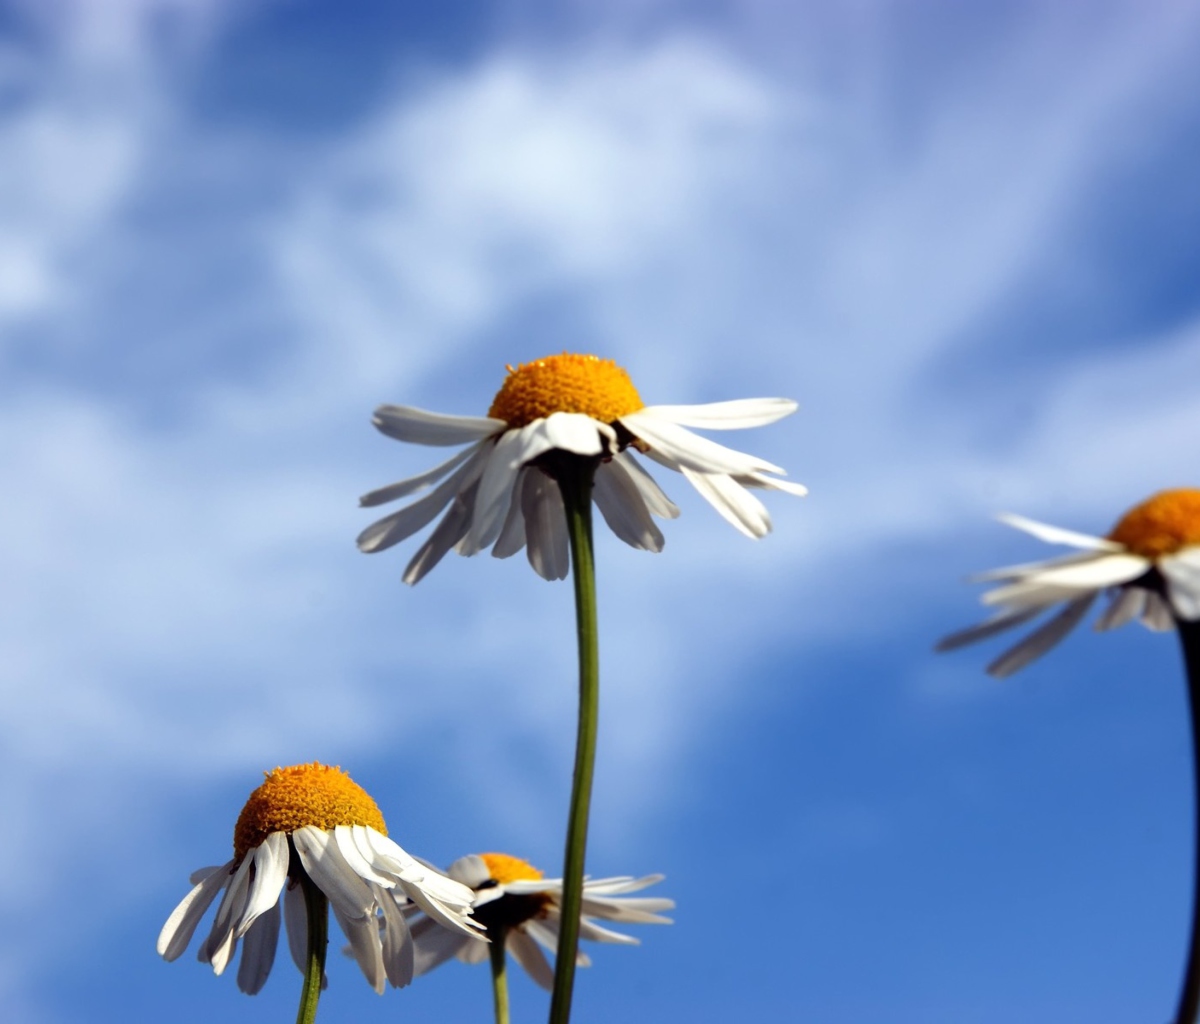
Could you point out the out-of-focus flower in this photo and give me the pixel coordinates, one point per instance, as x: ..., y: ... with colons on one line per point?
x: 500, y: 494
x: 312, y: 821
x: 1149, y: 563
x: 515, y: 903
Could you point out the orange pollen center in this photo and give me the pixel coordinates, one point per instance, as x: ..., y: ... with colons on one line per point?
x: 504, y: 868
x: 304, y: 794
x: 1161, y: 526
x: 595, y: 387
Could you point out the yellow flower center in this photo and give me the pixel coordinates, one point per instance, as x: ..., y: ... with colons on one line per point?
x: 304, y: 794
x: 596, y: 387
x: 1161, y: 526
x: 504, y: 868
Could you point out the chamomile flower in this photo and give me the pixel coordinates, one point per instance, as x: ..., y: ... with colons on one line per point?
x: 312, y: 824
x: 1149, y: 564
x: 500, y: 495
x: 516, y: 905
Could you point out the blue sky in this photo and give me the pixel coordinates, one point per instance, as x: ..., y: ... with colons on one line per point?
x: 964, y: 237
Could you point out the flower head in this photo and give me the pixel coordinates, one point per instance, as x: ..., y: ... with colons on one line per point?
x: 514, y: 902
x: 499, y: 489
x: 1150, y: 563
x: 313, y: 821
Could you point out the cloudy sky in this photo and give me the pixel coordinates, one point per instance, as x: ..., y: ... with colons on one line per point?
x: 965, y: 238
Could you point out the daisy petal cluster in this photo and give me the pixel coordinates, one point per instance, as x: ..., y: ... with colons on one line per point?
x: 514, y: 902
x: 1149, y: 565
x: 312, y: 819
x: 496, y: 493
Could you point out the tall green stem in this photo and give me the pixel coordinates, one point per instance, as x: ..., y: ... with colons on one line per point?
x: 499, y: 973
x: 1189, y: 998
x: 317, y: 910
x: 575, y: 476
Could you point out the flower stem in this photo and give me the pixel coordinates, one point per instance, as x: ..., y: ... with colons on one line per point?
x: 317, y: 911
x: 575, y: 476
x: 499, y: 973
x: 1189, y: 998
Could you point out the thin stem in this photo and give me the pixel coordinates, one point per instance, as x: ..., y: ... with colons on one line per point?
x: 316, y: 908
x: 575, y: 478
x: 499, y: 937
x: 1189, y: 998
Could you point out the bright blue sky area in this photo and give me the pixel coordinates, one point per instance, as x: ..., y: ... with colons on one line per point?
x: 963, y: 237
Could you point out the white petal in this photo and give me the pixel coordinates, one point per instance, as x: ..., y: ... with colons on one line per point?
x: 258, y: 950
x: 576, y: 433
x: 735, y: 504
x: 1101, y: 572
x: 181, y: 925
x: 452, y: 529
x: 328, y: 869
x: 1029, y: 569
x: 471, y: 870
x: 474, y: 952
x: 417, y: 426
x: 398, y: 951
x: 1005, y: 620
x: 1041, y: 640
x: 1182, y: 574
x: 496, y: 488
x: 1126, y: 605
x: 596, y: 933
x: 365, y: 945
x: 344, y: 837
x: 692, y: 450
x: 527, y: 954
x: 512, y: 533
x: 621, y: 504
x: 200, y: 874
x: 656, y: 501
x: 434, y: 945
x: 221, y: 940
x: 628, y: 910
x: 386, y: 856
x: 738, y: 414
x: 1057, y: 535
x: 1157, y: 615
x: 270, y: 875
x: 414, y: 483
x: 620, y: 884
x: 408, y: 520
x: 295, y: 917
x: 768, y: 483
x: 545, y: 527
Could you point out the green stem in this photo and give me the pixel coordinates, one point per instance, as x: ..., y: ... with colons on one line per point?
x: 499, y: 973
x: 1189, y: 998
x: 575, y: 476
x: 317, y: 910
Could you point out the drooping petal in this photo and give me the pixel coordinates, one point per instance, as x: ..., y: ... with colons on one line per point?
x: 512, y: 533
x: 656, y: 501
x: 417, y: 426
x: 365, y: 945
x: 329, y: 871
x: 527, y: 954
x: 222, y: 941
x: 449, y: 532
x: 545, y: 527
x: 1182, y: 574
x: 691, y: 450
x: 1091, y: 575
x: 295, y: 918
x: 621, y: 504
x: 1041, y: 640
x: 413, y: 484
x: 181, y: 925
x: 1157, y: 615
x: 433, y: 945
x: 1127, y: 604
x: 270, y: 874
x: 496, y: 488
x: 1057, y: 535
x: 735, y: 504
x: 1029, y: 569
x: 408, y: 520
x: 1000, y: 623
x: 398, y: 951
x: 344, y: 837
x: 739, y: 414
x: 258, y: 950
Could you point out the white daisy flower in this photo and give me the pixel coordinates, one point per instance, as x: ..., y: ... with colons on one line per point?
x: 1150, y: 564
x: 311, y: 821
x: 513, y: 900
x: 498, y: 489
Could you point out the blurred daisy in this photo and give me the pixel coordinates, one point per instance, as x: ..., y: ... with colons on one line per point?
x: 1149, y: 564
x: 311, y: 824
x: 515, y: 903
x: 500, y: 494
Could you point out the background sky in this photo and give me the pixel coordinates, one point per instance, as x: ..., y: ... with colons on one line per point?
x: 965, y: 237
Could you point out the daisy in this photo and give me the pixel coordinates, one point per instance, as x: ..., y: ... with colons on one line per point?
x: 521, y: 909
x: 1149, y: 564
x: 312, y: 834
x: 501, y: 491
